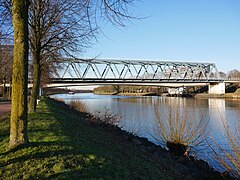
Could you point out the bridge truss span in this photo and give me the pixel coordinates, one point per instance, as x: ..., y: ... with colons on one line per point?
x: 105, y: 70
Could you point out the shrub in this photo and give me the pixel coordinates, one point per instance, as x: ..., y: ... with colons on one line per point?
x: 108, y: 118
x: 179, y: 132
x: 228, y: 154
x: 97, y: 118
x: 78, y: 106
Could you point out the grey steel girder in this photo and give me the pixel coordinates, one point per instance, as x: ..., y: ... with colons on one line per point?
x: 129, y: 70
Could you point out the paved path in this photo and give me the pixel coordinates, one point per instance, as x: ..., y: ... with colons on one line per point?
x: 5, y: 107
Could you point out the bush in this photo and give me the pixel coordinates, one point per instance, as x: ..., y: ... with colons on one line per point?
x: 228, y: 155
x: 78, y: 106
x: 98, y: 118
x: 108, y: 118
x: 179, y: 132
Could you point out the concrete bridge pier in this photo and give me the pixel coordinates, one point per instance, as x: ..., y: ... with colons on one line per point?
x: 216, y: 88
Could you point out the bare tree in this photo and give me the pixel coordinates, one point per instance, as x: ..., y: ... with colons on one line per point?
x: 62, y: 28
x: 18, y: 123
x: 6, y: 62
x: 6, y: 47
x: 234, y: 73
x: 6, y: 30
x: 222, y: 74
x: 57, y: 28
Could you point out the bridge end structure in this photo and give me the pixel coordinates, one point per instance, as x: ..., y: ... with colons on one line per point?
x: 216, y: 88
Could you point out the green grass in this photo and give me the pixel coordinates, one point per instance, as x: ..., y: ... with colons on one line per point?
x: 237, y: 91
x: 64, y: 146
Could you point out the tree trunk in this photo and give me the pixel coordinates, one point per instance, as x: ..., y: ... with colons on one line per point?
x: 18, y: 123
x: 9, y: 89
x: 36, y: 60
x: 4, y: 89
x: 36, y: 82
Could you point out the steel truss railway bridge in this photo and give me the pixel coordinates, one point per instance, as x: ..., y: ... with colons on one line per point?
x: 79, y: 72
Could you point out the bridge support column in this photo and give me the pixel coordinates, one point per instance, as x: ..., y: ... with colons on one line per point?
x: 216, y: 88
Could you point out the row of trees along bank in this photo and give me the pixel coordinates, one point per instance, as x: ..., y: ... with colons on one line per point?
x: 51, y: 30
x: 115, y: 89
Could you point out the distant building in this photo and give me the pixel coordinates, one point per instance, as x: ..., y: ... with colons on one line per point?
x: 177, y: 91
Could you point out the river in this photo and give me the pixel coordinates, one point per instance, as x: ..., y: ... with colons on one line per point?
x: 138, y: 115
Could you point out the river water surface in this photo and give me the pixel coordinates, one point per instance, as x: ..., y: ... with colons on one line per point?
x: 138, y: 115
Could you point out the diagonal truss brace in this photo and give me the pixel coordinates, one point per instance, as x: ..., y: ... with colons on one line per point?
x: 105, y: 69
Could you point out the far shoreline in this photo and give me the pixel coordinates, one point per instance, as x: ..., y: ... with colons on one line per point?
x: 198, y: 95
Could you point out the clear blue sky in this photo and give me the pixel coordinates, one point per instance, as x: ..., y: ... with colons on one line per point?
x: 177, y: 30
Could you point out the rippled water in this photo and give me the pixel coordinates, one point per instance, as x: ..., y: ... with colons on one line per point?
x: 138, y: 115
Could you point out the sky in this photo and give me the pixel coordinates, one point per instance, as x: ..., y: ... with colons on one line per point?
x: 176, y: 30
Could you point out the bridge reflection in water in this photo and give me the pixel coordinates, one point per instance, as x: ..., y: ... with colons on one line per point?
x: 217, y: 113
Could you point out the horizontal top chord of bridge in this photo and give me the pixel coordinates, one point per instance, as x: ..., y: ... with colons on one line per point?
x: 133, y: 61
x: 115, y: 69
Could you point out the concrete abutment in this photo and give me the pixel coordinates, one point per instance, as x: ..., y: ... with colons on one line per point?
x: 216, y: 88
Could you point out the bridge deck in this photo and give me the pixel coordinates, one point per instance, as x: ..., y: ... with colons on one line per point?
x: 141, y: 72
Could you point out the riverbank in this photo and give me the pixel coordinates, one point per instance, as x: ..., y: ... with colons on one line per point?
x: 126, y: 94
x: 137, y: 94
x: 235, y: 95
x: 226, y: 95
x: 65, y: 144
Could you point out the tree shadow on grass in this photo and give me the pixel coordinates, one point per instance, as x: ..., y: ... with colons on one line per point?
x: 53, y: 159
x: 75, y: 174
x: 26, y: 146
x: 73, y: 150
x: 65, y: 157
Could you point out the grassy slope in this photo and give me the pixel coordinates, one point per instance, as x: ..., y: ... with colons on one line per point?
x: 237, y: 91
x: 63, y: 146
